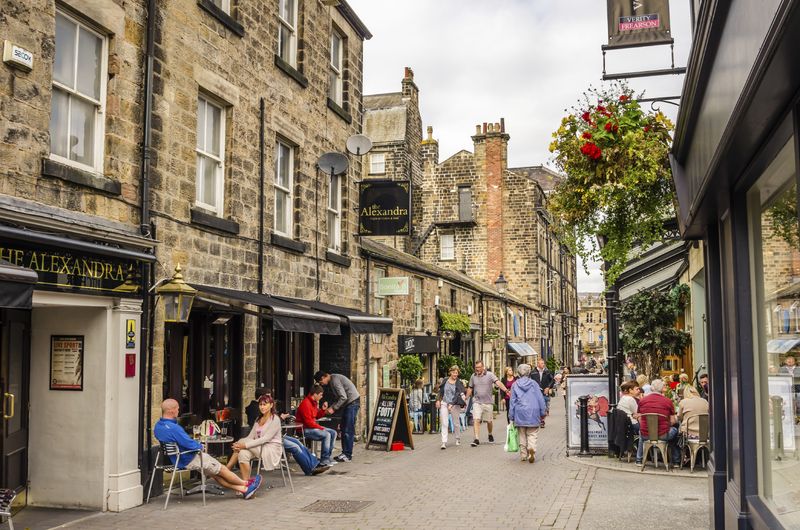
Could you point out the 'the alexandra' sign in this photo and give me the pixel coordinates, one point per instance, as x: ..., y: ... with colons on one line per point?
x: 384, y: 208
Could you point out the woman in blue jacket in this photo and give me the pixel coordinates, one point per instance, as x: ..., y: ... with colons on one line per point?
x: 525, y: 411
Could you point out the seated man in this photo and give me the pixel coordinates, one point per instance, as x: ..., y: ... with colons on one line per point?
x: 307, y: 461
x: 307, y: 414
x: 168, y: 430
x: 657, y: 403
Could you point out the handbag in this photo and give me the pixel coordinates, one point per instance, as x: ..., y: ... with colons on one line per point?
x: 512, y: 442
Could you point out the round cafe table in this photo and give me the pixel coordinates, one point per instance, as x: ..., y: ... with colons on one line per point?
x: 211, y: 487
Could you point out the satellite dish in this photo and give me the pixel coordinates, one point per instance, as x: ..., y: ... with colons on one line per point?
x: 333, y: 163
x: 358, y: 144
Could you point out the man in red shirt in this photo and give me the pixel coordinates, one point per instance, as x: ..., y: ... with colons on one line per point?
x: 307, y: 414
x: 656, y: 403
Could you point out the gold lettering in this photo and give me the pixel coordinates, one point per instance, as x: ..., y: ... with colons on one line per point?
x: 98, y: 269
x: 120, y: 274
x: 53, y: 260
x: 76, y: 269
x: 64, y: 268
x: 87, y: 270
x: 107, y: 274
x: 34, y: 262
x: 18, y: 257
x: 5, y: 254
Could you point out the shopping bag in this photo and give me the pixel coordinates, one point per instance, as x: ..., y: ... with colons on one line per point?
x: 512, y: 443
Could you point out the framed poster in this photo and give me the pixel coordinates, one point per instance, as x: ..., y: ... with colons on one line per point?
x: 596, y: 387
x: 781, y: 396
x: 66, y: 362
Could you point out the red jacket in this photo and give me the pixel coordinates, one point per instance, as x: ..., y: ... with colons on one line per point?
x: 308, y: 413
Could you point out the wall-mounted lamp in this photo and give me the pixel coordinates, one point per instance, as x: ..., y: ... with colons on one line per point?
x: 178, y: 298
x: 501, y: 284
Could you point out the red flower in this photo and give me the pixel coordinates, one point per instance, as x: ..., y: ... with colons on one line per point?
x: 616, y: 128
x: 609, y: 126
x: 591, y: 150
x: 601, y: 109
x: 586, y: 117
x: 586, y: 136
x: 646, y: 128
x: 623, y: 98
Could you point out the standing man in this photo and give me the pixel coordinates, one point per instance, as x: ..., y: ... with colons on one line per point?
x: 348, y: 401
x: 547, y: 382
x: 480, y: 384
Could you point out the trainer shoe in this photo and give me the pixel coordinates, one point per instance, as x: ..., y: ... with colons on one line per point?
x: 531, y: 456
x: 320, y: 469
x: 444, y: 446
x: 491, y: 439
x: 252, y: 487
x: 475, y: 443
x: 342, y: 458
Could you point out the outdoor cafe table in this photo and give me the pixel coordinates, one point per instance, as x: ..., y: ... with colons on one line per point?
x: 210, y: 486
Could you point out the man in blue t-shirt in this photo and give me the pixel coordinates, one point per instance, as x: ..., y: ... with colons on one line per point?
x: 168, y: 430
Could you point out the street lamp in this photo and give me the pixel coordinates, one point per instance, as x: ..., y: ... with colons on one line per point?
x: 178, y: 298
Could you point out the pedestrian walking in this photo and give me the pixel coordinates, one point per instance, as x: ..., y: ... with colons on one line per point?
x: 546, y: 382
x: 526, y: 411
x: 450, y: 402
x: 508, y: 380
x: 480, y: 389
x: 348, y: 401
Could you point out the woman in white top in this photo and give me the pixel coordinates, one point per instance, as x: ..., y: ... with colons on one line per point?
x: 628, y: 402
x: 264, y: 441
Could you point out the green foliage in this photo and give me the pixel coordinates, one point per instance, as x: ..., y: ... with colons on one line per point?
x: 445, y: 362
x: 618, y: 180
x: 410, y: 368
x: 551, y: 364
x: 648, y: 331
x: 783, y: 214
x: 453, y: 322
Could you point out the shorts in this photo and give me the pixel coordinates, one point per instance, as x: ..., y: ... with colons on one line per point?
x: 211, y: 466
x: 482, y: 412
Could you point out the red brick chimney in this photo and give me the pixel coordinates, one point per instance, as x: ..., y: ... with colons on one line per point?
x: 410, y: 89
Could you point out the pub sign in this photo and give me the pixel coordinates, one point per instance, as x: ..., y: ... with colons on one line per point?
x: 384, y: 208
x: 638, y: 23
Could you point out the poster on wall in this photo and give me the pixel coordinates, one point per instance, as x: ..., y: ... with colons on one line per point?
x: 638, y: 23
x: 781, y: 396
x: 596, y: 387
x: 66, y: 362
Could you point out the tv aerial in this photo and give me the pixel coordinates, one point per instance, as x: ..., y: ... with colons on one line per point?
x: 359, y: 144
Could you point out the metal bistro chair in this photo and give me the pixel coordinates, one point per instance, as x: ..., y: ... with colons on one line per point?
x: 284, y: 466
x: 652, y: 441
x: 7, y: 497
x: 697, y: 444
x: 171, y: 449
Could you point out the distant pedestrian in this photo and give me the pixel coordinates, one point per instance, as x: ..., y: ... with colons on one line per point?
x: 348, y: 401
x: 480, y: 384
x: 526, y: 410
x: 632, y: 371
x: 450, y: 402
x: 416, y: 400
x: 546, y: 382
x: 508, y: 380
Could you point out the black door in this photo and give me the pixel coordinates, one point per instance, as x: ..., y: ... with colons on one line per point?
x: 15, y: 349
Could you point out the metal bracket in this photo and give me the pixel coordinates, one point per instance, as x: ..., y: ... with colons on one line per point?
x: 672, y: 70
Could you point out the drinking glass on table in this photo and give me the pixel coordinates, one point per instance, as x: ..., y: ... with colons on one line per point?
x: 224, y: 430
x: 196, y: 431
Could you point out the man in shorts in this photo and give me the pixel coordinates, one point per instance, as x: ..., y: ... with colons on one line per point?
x: 480, y: 387
x: 168, y: 430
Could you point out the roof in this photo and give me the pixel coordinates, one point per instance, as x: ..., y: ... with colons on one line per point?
x: 405, y: 260
x: 547, y: 178
x: 383, y: 101
x: 350, y: 16
x: 385, y: 125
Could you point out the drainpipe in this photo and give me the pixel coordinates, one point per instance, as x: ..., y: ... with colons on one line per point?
x: 366, y: 366
x: 259, y: 324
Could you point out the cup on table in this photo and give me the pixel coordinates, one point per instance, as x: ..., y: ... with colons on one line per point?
x: 224, y: 431
x: 196, y: 431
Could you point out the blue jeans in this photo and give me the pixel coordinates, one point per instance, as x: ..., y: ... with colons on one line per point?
x: 349, y: 415
x: 327, y: 437
x: 671, y: 437
x: 304, y: 458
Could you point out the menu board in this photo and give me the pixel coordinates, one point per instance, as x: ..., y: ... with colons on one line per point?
x: 391, y: 422
x: 66, y: 362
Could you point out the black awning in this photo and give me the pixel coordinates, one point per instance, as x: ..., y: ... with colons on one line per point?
x: 358, y: 321
x: 286, y: 316
x: 16, y: 286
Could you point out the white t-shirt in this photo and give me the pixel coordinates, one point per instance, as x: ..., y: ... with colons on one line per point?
x: 629, y: 405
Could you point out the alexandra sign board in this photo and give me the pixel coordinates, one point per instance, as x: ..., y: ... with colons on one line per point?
x: 638, y: 22
x: 384, y: 208
x: 70, y: 270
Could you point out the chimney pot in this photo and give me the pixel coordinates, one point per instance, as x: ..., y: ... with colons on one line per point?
x: 477, y: 129
x: 497, y: 127
x: 409, y: 73
x: 484, y: 127
x: 430, y: 132
x: 502, y: 125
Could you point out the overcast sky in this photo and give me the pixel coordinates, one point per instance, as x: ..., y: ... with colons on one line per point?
x: 527, y: 61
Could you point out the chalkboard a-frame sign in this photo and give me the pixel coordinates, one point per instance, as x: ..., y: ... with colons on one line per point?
x: 391, y: 422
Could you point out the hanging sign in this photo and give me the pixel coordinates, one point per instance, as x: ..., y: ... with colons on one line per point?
x: 638, y: 23
x: 384, y: 208
x: 417, y: 344
x: 391, y: 422
x: 392, y: 285
x: 66, y: 362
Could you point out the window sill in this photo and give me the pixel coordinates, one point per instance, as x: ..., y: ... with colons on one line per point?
x: 224, y: 18
x: 288, y: 243
x: 291, y: 71
x: 339, y: 111
x: 201, y: 218
x: 51, y: 168
x: 333, y: 257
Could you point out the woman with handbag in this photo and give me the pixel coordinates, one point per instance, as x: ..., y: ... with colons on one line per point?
x: 263, y: 442
x: 451, y: 400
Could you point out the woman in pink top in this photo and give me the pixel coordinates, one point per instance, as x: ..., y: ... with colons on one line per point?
x: 264, y: 441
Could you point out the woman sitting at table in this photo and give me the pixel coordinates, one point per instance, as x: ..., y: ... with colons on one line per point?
x: 264, y: 441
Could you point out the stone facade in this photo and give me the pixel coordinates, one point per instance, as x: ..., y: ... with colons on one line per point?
x: 592, y: 324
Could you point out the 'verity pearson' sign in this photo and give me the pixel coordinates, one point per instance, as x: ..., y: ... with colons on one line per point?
x: 384, y: 208
x: 638, y: 22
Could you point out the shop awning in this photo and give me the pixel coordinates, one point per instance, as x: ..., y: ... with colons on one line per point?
x: 286, y: 316
x: 16, y: 286
x: 782, y: 345
x: 523, y: 349
x: 358, y: 321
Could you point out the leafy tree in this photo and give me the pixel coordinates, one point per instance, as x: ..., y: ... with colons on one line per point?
x: 445, y: 362
x: 648, y: 330
x: 552, y: 364
x: 410, y: 368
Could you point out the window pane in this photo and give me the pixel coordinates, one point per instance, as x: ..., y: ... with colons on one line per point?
x: 336, y: 47
x: 377, y: 163
x: 64, y: 64
x: 81, y: 132
x: 285, y: 44
x: 213, y: 129
x: 333, y: 240
x: 333, y: 193
x: 209, y: 181
x: 58, y: 123
x: 90, y: 48
x: 284, y: 165
x: 280, y: 211
x: 201, y: 123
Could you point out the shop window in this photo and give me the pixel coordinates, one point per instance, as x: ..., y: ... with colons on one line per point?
x: 210, y: 155
x: 336, y: 81
x: 775, y: 281
x: 418, y: 304
x: 335, y: 213
x: 447, y: 247
x: 79, y: 93
x: 287, y: 31
x: 284, y: 181
x: 377, y: 163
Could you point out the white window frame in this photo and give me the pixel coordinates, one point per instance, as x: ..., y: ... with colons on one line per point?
x: 381, y: 164
x: 379, y: 301
x: 203, y: 102
x: 224, y: 5
x: 591, y: 336
x: 289, y: 213
x: 418, y: 317
x: 336, y: 88
x: 335, y: 214
x: 100, y: 105
x: 291, y: 26
x: 444, y: 255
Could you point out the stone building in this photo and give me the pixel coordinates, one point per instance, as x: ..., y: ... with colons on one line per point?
x: 592, y: 327
x: 475, y: 215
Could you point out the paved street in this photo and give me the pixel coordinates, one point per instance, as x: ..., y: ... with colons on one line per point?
x: 461, y: 487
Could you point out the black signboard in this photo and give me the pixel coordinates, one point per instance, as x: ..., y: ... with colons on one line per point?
x: 638, y: 23
x: 391, y: 422
x: 417, y: 344
x: 384, y: 208
x: 72, y: 270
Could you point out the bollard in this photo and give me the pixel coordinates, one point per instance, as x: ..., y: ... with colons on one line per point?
x: 583, y: 409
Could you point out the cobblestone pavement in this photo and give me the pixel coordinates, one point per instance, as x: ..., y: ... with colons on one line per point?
x: 462, y: 487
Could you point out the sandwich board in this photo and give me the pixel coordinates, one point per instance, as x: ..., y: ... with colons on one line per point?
x: 391, y: 422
